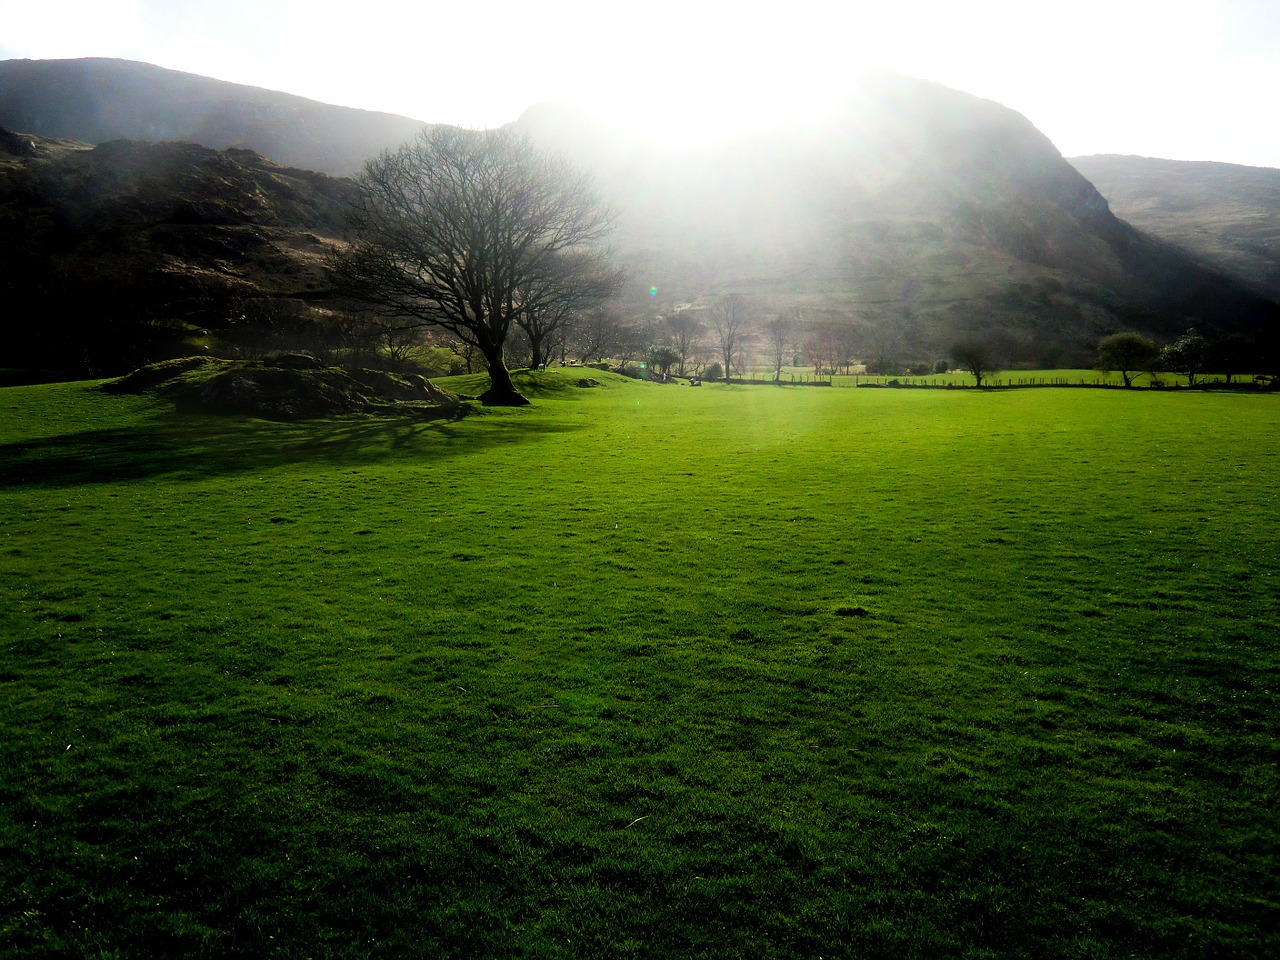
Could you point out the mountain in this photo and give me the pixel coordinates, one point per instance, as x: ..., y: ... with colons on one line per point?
x: 919, y: 213
x: 98, y: 99
x: 1225, y: 214
x: 913, y: 216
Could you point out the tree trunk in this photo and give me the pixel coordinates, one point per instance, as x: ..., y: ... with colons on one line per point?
x: 535, y: 346
x: 502, y: 392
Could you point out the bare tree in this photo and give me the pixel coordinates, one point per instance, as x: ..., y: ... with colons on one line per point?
x: 884, y: 337
x: 571, y: 284
x: 265, y: 324
x: 729, y: 324
x: 685, y: 331
x: 464, y: 230
x: 634, y: 338
x: 396, y: 337
x: 599, y: 333
x: 823, y: 347
x: 463, y: 350
x: 778, y: 336
x: 848, y: 340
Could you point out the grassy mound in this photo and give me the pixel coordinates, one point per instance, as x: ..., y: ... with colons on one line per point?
x: 286, y: 387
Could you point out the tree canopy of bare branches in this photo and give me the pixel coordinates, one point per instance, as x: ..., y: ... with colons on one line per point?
x: 471, y: 232
x: 573, y: 284
x: 729, y: 323
x: 684, y: 333
x: 778, y: 336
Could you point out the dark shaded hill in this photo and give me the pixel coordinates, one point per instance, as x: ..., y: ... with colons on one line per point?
x: 98, y: 99
x: 129, y: 252
x: 1225, y: 214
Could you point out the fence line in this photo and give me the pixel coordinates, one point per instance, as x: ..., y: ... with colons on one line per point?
x: 1006, y: 383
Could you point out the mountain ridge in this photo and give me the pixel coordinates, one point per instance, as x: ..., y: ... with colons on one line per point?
x: 1226, y: 215
x: 95, y: 99
x: 917, y: 215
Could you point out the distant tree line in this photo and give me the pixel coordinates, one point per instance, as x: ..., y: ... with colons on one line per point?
x: 1191, y: 355
x: 722, y: 338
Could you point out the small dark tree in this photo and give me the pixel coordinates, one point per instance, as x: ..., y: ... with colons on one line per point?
x: 662, y: 358
x: 1128, y: 353
x: 1231, y: 355
x: 466, y: 231
x: 1188, y: 355
x: 976, y: 355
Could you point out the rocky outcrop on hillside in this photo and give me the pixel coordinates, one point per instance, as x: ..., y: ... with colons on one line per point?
x: 129, y: 251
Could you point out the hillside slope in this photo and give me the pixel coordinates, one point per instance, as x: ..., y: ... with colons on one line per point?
x: 1226, y: 214
x: 127, y: 252
x: 100, y: 99
x: 918, y: 212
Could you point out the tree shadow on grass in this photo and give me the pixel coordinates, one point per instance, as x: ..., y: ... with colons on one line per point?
x: 184, y: 446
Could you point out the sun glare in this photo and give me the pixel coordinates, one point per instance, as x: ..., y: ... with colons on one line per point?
x: 676, y: 118
x: 714, y: 99
x: 691, y: 71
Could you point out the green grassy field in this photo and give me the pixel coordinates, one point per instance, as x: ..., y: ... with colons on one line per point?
x: 643, y: 671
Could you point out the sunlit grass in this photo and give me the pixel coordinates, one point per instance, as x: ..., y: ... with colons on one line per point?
x: 642, y: 671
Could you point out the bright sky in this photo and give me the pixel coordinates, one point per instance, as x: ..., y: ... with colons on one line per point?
x: 1183, y: 79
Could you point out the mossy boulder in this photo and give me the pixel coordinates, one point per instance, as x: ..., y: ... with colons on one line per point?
x: 283, y: 388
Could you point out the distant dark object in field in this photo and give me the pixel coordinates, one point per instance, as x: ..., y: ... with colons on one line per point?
x: 288, y: 387
x: 852, y: 612
x: 588, y: 382
x: 695, y: 382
